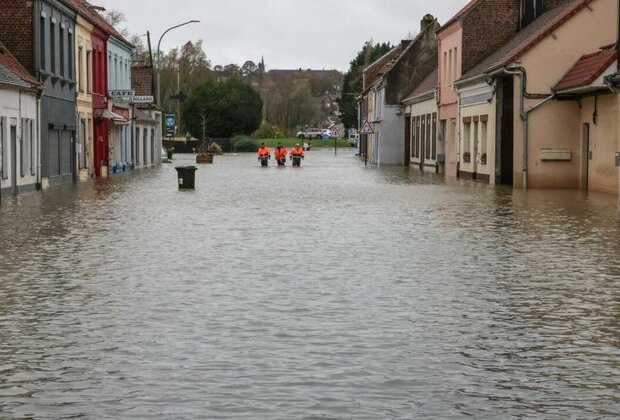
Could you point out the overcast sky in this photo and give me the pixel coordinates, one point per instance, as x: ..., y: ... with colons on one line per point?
x: 317, y: 34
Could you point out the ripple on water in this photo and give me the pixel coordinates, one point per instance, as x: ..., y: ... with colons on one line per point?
x: 333, y: 291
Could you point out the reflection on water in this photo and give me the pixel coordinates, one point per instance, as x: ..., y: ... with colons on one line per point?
x: 330, y: 291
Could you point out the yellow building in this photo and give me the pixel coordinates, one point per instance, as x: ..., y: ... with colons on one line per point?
x: 510, y: 112
x: 83, y: 62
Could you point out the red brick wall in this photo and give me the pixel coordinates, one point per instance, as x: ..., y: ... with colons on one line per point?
x: 17, y: 30
x: 142, y: 80
x: 486, y: 28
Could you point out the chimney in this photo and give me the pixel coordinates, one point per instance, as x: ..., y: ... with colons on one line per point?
x: 428, y: 23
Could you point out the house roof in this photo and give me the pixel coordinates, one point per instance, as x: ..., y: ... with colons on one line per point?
x: 86, y: 10
x: 384, y: 64
x: 427, y: 86
x: 587, y: 69
x: 469, y: 6
x: 12, y: 72
x: 528, y: 37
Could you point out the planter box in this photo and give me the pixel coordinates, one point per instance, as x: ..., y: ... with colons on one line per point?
x: 204, y: 158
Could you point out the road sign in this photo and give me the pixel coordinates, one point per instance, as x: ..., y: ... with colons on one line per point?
x: 366, y: 128
x: 142, y: 99
x: 170, y: 122
x: 336, y: 134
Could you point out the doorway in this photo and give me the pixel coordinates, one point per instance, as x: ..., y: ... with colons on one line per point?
x: 13, y: 139
x: 407, y: 139
x: 505, y: 132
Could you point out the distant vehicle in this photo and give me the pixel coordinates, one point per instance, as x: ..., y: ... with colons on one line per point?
x: 354, y: 139
x: 311, y: 133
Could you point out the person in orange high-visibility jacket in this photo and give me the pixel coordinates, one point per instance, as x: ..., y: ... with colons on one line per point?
x: 263, y: 151
x: 297, y: 154
x: 280, y: 155
x: 297, y: 150
x: 264, y: 154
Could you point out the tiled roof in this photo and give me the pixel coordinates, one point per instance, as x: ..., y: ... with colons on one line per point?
x: 460, y: 14
x: 527, y: 38
x: 12, y: 72
x: 587, y: 69
x: 86, y: 10
x: 377, y: 69
x: 428, y: 85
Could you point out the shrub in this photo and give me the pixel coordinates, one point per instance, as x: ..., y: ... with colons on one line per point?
x: 268, y: 131
x: 243, y: 144
x: 215, y: 148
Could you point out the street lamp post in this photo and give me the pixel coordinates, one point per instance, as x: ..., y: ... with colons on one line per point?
x: 159, y: 53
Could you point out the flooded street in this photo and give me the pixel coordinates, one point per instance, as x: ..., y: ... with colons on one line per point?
x: 330, y: 291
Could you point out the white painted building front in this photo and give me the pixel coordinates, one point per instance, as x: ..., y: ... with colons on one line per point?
x: 20, y: 145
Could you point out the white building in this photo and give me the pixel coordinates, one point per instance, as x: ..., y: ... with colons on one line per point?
x: 19, y: 127
x: 425, y: 148
x: 121, y: 150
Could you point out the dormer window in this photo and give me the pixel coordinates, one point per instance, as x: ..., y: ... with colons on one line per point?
x: 530, y: 10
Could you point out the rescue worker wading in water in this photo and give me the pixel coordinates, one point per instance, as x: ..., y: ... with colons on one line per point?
x: 297, y: 154
x: 264, y: 154
x: 280, y: 155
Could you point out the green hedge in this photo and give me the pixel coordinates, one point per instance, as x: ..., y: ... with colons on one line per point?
x: 241, y: 144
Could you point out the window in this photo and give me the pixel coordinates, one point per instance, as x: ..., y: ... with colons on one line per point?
x: 413, y: 133
x: 429, y: 140
x: 417, y: 136
x: 52, y: 46
x: 475, y: 138
x: 42, y: 47
x: 33, y: 147
x: 467, y: 142
x: 89, y: 71
x: 70, y: 47
x: 61, y: 49
x: 110, y: 72
x: 152, y: 145
x: 137, y: 145
x: 483, y: 142
x: 445, y: 67
x: 450, y: 68
x: 23, y: 144
x: 422, y: 135
x: 4, y: 146
x: 81, y: 149
x: 454, y: 72
x: 27, y: 147
x: 145, y: 139
x: 80, y: 75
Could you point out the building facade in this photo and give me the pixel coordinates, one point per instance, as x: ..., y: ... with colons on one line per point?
x: 146, y: 122
x: 84, y: 78
x: 119, y: 90
x: 41, y: 35
x: 424, y: 151
x: 538, y: 136
x: 19, y: 127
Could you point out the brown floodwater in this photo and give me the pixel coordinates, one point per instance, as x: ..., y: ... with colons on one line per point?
x: 329, y: 291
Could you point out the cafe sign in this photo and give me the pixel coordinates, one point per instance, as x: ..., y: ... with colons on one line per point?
x: 121, y: 93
